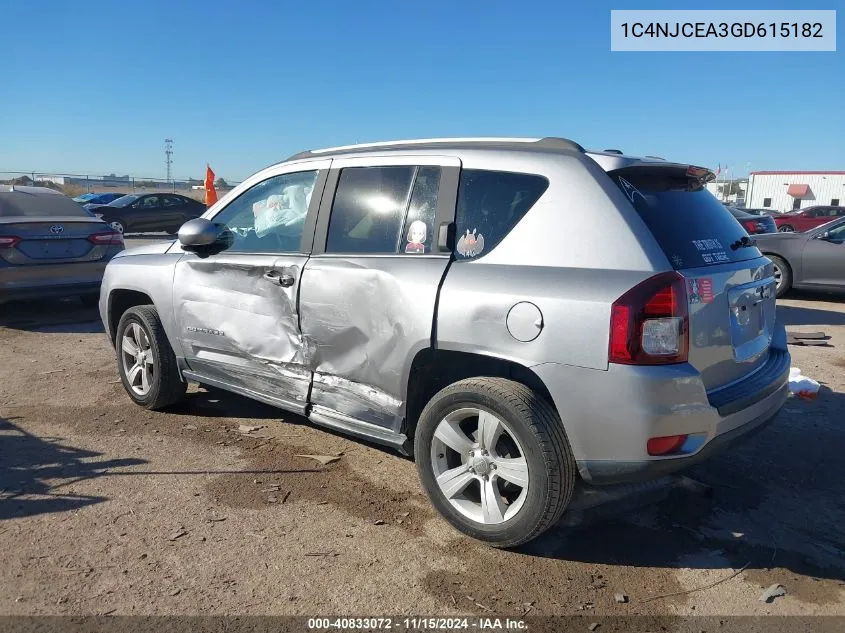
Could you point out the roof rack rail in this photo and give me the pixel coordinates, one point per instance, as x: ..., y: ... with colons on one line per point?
x: 556, y: 142
x: 612, y: 151
x: 549, y: 141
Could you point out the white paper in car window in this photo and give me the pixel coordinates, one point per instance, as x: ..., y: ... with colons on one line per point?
x: 283, y: 213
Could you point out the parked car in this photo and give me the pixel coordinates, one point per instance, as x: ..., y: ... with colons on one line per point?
x: 50, y: 246
x: 814, y: 260
x: 754, y: 224
x: 149, y: 212
x: 808, y: 218
x: 451, y: 299
x: 770, y: 212
x: 97, y: 198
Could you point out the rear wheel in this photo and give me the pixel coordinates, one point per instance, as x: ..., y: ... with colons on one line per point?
x: 146, y: 362
x: 118, y: 226
x: 783, y: 275
x: 494, y: 460
x: 786, y: 228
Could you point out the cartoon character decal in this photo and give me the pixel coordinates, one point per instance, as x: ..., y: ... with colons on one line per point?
x: 416, y: 237
x: 470, y: 244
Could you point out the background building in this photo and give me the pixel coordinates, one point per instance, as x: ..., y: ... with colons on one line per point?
x: 788, y: 190
x: 730, y: 191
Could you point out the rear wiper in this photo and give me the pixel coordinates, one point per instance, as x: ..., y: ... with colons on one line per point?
x: 743, y: 243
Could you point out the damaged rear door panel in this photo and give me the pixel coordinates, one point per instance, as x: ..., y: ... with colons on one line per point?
x: 236, y: 307
x: 369, y: 291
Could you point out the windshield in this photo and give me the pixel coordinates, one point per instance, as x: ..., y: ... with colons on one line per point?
x: 85, y: 197
x: 690, y: 225
x: 124, y: 201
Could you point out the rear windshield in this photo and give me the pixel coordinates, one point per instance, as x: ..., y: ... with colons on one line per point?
x: 29, y: 205
x: 690, y: 225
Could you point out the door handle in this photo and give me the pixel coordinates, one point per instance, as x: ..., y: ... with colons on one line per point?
x: 285, y: 280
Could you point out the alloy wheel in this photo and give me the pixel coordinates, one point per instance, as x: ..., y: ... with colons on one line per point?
x: 137, y: 358
x: 479, y: 466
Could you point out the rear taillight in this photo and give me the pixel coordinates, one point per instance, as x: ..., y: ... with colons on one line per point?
x: 649, y: 324
x: 754, y: 226
x: 112, y: 238
x: 9, y: 241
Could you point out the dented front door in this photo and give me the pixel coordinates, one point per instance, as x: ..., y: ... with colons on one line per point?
x: 236, y: 307
x: 238, y: 322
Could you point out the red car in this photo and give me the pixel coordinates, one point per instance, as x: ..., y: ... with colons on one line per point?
x: 807, y: 219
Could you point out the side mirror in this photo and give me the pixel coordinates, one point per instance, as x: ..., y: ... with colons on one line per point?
x: 823, y: 236
x: 198, y: 233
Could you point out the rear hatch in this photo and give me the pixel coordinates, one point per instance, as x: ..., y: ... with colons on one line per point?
x: 730, y: 285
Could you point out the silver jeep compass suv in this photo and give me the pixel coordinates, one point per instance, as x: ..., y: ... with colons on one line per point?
x: 515, y: 313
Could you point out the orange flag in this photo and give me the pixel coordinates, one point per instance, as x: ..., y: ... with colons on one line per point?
x: 210, y: 191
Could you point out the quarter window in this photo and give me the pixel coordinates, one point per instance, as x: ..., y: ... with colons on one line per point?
x: 490, y: 203
x: 368, y: 211
x: 269, y: 216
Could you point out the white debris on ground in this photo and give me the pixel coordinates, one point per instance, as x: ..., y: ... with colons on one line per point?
x: 801, y: 385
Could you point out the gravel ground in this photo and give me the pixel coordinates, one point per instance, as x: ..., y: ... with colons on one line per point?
x: 108, y: 508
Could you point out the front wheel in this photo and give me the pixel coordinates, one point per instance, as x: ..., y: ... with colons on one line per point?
x: 494, y: 460
x: 145, y: 360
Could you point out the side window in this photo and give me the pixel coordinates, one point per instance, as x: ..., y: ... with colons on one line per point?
x: 837, y: 234
x: 369, y: 209
x: 269, y: 216
x: 150, y: 202
x: 418, y: 232
x: 767, y: 202
x: 490, y: 203
x: 170, y: 201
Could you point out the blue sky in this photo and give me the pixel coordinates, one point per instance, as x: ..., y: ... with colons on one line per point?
x: 96, y: 86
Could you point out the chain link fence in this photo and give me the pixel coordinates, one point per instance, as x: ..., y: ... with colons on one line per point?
x: 78, y: 184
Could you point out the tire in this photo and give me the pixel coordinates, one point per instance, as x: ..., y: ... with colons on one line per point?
x: 783, y: 275
x: 164, y: 384
x: 786, y: 228
x: 118, y: 225
x: 90, y: 300
x: 535, y: 435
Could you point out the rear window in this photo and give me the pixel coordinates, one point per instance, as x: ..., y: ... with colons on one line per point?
x: 690, y: 225
x: 29, y: 205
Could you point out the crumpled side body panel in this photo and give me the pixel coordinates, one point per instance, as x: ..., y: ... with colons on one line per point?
x: 367, y: 318
x: 241, y: 328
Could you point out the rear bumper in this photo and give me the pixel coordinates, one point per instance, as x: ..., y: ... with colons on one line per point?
x: 608, y: 472
x: 610, y: 415
x: 18, y: 283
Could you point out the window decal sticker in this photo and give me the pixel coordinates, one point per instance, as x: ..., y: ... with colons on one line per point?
x: 630, y: 190
x: 470, y: 244
x: 416, y: 237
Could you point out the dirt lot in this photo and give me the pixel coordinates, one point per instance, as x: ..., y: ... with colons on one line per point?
x: 106, y: 508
